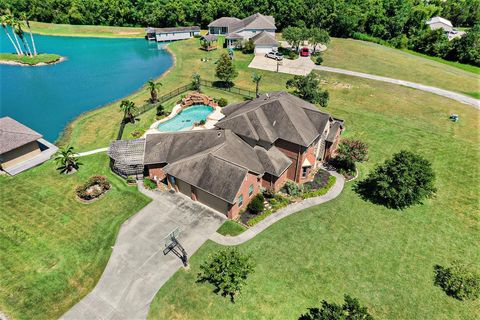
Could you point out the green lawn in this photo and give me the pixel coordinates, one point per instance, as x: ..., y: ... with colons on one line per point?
x: 41, y: 58
x: 380, y: 60
x: 53, y: 248
x: 384, y: 257
x: 231, y: 228
x: 51, y: 29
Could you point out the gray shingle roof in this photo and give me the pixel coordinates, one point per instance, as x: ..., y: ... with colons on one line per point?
x: 224, y: 22
x: 213, y: 160
x: 273, y: 160
x: 265, y: 39
x: 13, y: 134
x: 255, y: 21
x: 273, y: 116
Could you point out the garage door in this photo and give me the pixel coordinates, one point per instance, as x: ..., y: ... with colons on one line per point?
x: 260, y: 49
x: 212, y: 201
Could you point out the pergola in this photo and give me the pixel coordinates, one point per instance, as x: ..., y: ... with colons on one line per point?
x: 127, y: 157
x: 209, y: 42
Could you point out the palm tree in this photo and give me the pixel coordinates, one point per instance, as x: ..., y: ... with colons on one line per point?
x: 128, y: 108
x: 152, y: 86
x: 4, y: 20
x: 256, y: 78
x: 12, y: 21
x: 19, y: 31
x: 24, y: 17
x: 67, y: 160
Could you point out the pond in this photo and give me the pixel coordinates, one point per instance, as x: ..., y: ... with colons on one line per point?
x: 97, y: 71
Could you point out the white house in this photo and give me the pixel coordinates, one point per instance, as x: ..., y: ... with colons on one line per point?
x: 172, y: 34
x: 257, y: 27
x: 440, y: 23
x: 446, y: 25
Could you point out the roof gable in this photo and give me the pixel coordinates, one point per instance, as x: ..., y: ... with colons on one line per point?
x: 13, y: 134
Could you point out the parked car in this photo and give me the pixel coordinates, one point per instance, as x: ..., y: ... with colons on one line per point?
x: 274, y: 55
x: 304, y: 52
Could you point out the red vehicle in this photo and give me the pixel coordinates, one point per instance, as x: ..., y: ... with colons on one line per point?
x: 304, y: 52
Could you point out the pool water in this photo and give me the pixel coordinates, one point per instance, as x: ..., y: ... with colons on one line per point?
x: 186, y: 118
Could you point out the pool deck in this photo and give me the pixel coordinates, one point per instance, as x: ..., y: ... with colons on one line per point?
x: 210, y: 122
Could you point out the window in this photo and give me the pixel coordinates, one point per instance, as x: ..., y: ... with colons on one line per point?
x: 240, y: 200
x: 250, y: 190
x: 304, y: 172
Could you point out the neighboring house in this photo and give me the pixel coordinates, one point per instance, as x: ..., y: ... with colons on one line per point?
x: 172, y: 34
x: 446, y: 25
x: 21, y: 147
x: 259, y: 28
x: 260, y: 144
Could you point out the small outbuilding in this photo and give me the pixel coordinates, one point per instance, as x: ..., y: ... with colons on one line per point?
x: 172, y: 34
x: 21, y: 147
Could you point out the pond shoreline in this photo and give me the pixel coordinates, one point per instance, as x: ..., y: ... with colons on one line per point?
x: 40, y: 64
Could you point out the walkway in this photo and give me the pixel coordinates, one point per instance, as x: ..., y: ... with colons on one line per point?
x: 282, y: 213
x: 137, y: 267
x: 305, y: 65
x: 87, y: 153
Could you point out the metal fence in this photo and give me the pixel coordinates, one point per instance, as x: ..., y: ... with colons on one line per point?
x: 212, y: 84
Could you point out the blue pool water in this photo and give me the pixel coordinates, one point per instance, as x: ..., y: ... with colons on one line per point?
x: 186, y: 118
x: 97, y: 71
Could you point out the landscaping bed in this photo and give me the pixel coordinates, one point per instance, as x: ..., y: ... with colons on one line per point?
x: 290, y: 193
x: 93, y: 189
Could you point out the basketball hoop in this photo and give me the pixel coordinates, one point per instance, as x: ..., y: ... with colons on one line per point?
x: 173, y: 245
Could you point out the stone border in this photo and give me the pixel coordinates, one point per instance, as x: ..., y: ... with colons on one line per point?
x: 250, y: 233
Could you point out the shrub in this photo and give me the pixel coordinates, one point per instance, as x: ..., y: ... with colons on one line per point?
x: 308, y: 88
x: 196, y: 82
x: 319, y: 59
x: 268, y: 193
x: 292, y: 189
x: 201, y: 122
x: 458, y: 281
x: 131, y: 179
x: 349, y: 152
x: 400, y: 182
x: 248, y: 47
x: 227, y: 270
x: 93, y: 188
x: 160, y: 110
x: 149, y: 184
x: 350, y: 310
x: 222, y: 102
x: 256, y: 205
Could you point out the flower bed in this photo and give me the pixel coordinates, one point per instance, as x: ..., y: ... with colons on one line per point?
x: 93, y: 189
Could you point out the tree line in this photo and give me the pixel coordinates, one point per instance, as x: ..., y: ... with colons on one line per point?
x: 400, y: 23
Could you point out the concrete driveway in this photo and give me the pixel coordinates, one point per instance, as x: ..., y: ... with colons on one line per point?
x: 137, y: 267
x: 301, y: 66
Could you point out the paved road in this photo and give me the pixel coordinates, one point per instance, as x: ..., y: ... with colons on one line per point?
x: 137, y: 267
x: 441, y: 92
x: 305, y: 65
x: 285, y: 212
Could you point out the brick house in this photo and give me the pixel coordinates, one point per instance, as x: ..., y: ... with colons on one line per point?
x: 259, y: 144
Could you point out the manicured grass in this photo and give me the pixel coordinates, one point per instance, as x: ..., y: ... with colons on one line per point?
x: 30, y: 60
x: 384, y: 257
x: 53, y: 248
x: 380, y: 60
x: 51, y: 29
x: 231, y: 228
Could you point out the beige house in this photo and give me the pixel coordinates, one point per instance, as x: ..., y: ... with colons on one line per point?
x: 21, y: 147
x: 446, y: 25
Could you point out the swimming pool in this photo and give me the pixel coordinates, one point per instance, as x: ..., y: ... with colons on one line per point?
x: 186, y: 118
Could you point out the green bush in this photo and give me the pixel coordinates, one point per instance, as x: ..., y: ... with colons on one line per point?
x: 131, y: 179
x: 248, y: 47
x: 256, y: 205
x: 293, y: 189
x: 350, y: 310
x: 227, y: 270
x: 222, y: 102
x: 149, y: 184
x: 458, y: 281
x: 319, y: 59
x: 400, y: 182
x: 160, y: 110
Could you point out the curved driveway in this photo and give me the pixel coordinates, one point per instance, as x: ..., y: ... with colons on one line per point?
x: 280, y: 214
x: 305, y: 65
